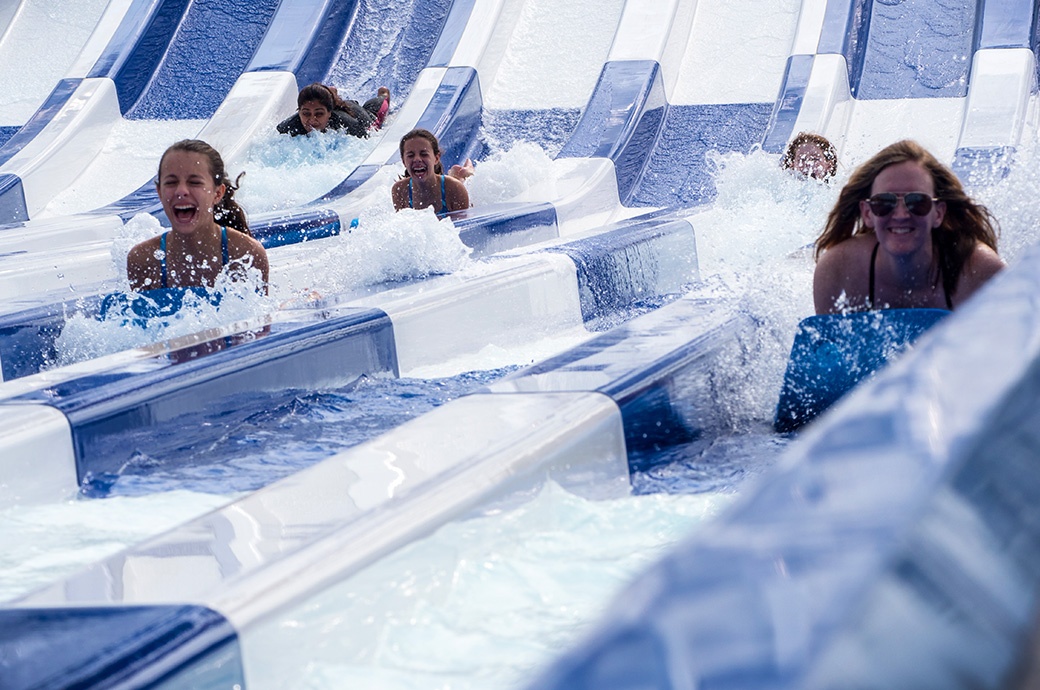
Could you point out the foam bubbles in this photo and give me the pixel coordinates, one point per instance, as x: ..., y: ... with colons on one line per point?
x: 523, y: 173
x: 386, y: 246
x: 314, y: 164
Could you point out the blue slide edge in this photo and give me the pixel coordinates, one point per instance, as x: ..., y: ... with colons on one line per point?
x: 131, y: 646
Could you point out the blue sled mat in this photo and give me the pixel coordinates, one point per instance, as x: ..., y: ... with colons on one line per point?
x: 834, y: 352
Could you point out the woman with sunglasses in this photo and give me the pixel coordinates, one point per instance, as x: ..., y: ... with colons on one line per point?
x: 903, y: 234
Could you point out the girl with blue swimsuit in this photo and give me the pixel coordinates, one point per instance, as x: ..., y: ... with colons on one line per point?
x: 198, y: 199
x: 424, y: 183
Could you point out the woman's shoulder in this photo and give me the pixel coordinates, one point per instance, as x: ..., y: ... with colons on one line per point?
x: 242, y: 241
x: 983, y: 263
x: 146, y: 247
x: 850, y: 248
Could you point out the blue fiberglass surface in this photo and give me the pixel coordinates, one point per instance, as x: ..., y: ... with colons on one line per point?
x: 43, y: 116
x: 27, y: 337
x: 621, y: 120
x: 87, y: 647
x: 634, y: 263
x: 370, y: 57
x: 126, y: 412
x: 303, y: 39
x: 916, y: 49
x: 236, y: 26
x: 13, y: 208
x: 506, y: 226
x: 678, y: 172
x: 789, y: 104
x: 655, y: 370
x: 1006, y: 24
x: 137, y: 46
x: 550, y: 128
x: 7, y: 132
x: 12, y: 199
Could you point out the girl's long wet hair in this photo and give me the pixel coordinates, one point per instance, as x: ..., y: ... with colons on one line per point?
x: 434, y: 144
x: 322, y: 93
x: 227, y: 211
x: 964, y: 225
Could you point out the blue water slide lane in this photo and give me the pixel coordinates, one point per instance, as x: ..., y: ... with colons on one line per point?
x: 309, y: 41
x: 132, y: 646
x: 654, y: 369
x: 119, y: 414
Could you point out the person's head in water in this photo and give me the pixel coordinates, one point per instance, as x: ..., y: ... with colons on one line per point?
x: 315, y: 104
x: 420, y: 153
x: 195, y: 189
x: 811, y: 155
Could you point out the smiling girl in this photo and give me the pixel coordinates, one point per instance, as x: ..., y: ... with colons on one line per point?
x: 424, y: 183
x: 198, y: 199
x: 903, y: 234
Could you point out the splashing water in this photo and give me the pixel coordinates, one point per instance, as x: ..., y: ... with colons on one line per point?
x: 315, y: 164
x: 85, y: 335
x: 523, y: 173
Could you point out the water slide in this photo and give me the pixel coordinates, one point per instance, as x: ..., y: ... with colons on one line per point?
x: 622, y: 230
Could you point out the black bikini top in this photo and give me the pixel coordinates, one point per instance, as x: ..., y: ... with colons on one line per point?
x: 870, y: 297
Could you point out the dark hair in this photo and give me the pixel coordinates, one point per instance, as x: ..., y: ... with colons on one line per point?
x: 227, y: 211
x: 964, y: 224
x: 326, y: 95
x: 830, y: 154
x: 428, y: 136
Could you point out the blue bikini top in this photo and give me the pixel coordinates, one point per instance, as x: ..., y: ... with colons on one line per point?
x: 444, y: 197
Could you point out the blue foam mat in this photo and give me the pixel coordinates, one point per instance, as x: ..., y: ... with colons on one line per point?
x: 833, y: 352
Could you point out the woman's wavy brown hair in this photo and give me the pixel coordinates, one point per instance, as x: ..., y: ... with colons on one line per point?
x: 964, y: 225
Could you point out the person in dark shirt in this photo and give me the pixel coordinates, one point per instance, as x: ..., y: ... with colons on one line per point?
x: 320, y: 108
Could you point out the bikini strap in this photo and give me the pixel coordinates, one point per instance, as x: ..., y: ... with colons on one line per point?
x: 410, y: 204
x: 223, y: 246
x: 444, y: 196
x: 162, y: 258
x: 873, y: 260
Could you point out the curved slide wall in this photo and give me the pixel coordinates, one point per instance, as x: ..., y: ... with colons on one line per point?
x: 820, y: 466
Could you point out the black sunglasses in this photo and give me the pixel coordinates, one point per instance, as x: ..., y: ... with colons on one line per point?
x: 917, y: 203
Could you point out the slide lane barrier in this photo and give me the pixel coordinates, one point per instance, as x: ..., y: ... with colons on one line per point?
x: 893, y: 545
x: 128, y: 406
x: 569, y: 420
x: 32, y: 322
x: 68, y: 131
x: 1003, y: 82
